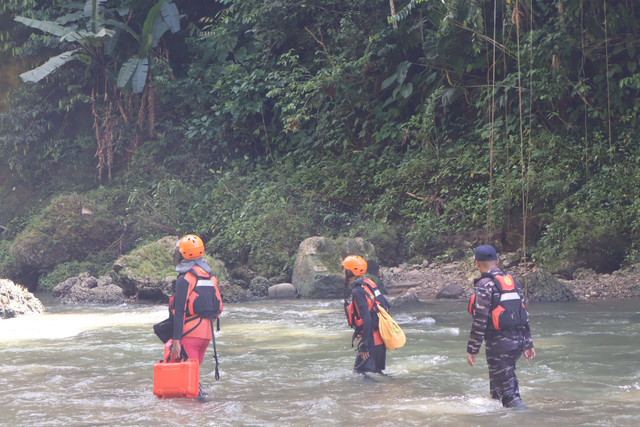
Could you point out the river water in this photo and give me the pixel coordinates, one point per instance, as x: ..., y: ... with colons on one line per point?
x: 289, y: 363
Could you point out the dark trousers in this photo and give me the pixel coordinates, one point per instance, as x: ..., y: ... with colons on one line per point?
x: 503, y: 349
x: 376, y: 361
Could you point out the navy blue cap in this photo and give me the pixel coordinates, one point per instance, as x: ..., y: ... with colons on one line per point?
x: 486, y: 253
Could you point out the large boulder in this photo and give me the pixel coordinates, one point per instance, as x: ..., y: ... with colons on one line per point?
x: 148, y: 272
x: 86, y: 289
x: 16, y: 300
x: 283, y: 291
x: 71, y: 227
x: 450, y: 291
x: 402, y: 300
x: 540, y: 285
x: 318, y: 272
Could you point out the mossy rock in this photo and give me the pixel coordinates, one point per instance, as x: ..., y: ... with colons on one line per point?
x: 232, y: 293
x: 69, y: 229
x: 61, y: 273
x: 149, y: 272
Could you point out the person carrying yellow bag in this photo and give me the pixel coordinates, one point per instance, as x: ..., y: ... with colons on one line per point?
x: 363, y: 315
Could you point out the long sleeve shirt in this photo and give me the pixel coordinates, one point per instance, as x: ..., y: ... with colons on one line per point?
x: 179, y: 304
x: 359, y: 296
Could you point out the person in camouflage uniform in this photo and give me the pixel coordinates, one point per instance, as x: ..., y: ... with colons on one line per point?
x: 503, y: 346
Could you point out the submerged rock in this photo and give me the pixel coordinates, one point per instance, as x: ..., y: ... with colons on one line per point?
x: 16, y: 300
x: 283, y: 291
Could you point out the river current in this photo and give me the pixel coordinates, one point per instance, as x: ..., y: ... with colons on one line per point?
x: 289, y: 363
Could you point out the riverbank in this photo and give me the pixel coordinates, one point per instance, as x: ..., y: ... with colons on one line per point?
x: 427, y: 279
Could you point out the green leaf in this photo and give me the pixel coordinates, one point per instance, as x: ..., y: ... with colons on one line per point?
x: 406, y: 90
x: 126, y: 71
x: 146, y: 39
x: 401, y: 71
x: 159, y: 28
x: 388, y: 81
x: 70, y: 17
x: 46, y: 26
x: 139, y: 77
x: 170, y: 15
x: 48, y: 67
x: 78, y: 36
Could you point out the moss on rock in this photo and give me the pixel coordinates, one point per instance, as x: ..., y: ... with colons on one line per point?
x: 69, y: 229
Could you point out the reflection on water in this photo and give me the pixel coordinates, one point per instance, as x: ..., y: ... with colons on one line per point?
x: 289, y: 363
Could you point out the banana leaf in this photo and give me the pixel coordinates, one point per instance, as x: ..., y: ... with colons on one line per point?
x: 170, y: 15
x: 46, y: 26
x: 48, y: 67
x: 134, y: 71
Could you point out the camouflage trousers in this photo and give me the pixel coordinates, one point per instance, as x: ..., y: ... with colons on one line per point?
x: 503, y: 349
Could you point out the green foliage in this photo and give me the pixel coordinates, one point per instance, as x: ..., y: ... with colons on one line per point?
x: 8, y: 265
x: 282, y: 120
x: 261, y: 227
x: 63, y: 272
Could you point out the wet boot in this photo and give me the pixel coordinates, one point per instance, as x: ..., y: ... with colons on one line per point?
x: 517, y: 405
x: 202, y: 396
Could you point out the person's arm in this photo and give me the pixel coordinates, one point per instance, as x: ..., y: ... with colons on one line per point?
x: 480, y: 319
x: 385, y: 303
x: 360, y: 299
x: 529, y: 352
x: 528, y: 343
x: 179, y: 304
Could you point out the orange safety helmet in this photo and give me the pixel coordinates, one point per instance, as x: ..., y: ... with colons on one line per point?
x: 191, y: 247
x: 355, y: 264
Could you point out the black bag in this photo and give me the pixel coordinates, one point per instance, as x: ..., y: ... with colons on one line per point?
x: 164, y: 329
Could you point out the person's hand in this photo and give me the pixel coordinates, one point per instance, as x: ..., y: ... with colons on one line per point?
x: 471, y: 359
x: 529, y: 354
x: 175, y: 350
x: 364, y: 355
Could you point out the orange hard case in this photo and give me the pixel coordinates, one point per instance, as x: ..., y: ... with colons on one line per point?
x: 176, y: 379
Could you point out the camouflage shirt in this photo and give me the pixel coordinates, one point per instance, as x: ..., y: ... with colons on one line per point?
x: 487, y: 296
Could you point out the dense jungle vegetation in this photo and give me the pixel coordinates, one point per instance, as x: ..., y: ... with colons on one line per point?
x: 424, y: 126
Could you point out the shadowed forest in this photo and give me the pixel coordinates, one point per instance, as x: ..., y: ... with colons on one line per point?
x: 425, y: 127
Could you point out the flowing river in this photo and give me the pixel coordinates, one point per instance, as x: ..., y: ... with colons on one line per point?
x: 289, y: 363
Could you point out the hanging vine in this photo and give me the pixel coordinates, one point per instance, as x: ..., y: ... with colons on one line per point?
x: 492, y: 134
x: 606, y: 58
x: 515, y: 18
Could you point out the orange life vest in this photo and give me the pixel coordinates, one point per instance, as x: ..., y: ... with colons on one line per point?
x: 354, y: 318
x: 203, y: 304
x: 509, y: 312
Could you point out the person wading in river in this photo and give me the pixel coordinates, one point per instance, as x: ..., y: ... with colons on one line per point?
x: 501, y: 320
x: 362, y: 316
x: 196, y: 302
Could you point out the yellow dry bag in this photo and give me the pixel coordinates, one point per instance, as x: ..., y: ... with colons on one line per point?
x: 390, y: 331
